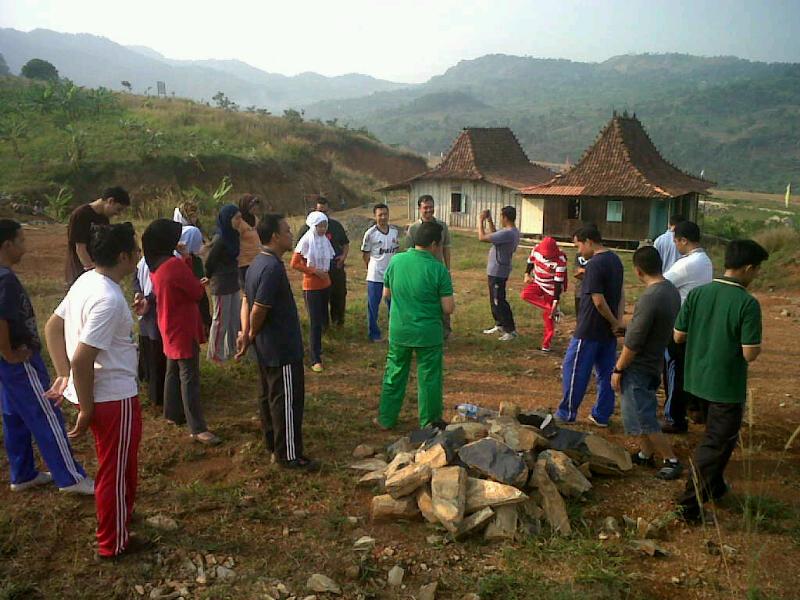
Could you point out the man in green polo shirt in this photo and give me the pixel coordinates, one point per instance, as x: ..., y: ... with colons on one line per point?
x: 421, y: 292
x: 720, y: 323
x: 427, y: 208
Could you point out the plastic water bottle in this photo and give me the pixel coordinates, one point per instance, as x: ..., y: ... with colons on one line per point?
x: 473, y: 411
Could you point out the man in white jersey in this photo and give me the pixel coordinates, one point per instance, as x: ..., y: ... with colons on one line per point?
x: 380, y: 244
x: 692, y: 270
x: 90, y: 338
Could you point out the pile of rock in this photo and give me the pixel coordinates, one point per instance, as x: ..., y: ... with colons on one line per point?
x: 503, y: 475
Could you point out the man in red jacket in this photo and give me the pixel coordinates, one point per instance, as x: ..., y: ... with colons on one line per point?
x: 549, y: 267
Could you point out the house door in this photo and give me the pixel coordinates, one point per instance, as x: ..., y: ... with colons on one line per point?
x: 659, y: 218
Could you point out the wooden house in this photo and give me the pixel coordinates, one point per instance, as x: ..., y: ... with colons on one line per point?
x: 622, y: 184
x: 485, y: 169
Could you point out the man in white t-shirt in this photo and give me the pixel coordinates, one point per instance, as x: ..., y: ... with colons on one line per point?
x: 665, y: 244
x: 379, y: 246
x: 691, y: 270
x: 90, y: 338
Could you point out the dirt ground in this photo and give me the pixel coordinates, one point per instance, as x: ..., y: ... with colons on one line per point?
x: 280, y: 526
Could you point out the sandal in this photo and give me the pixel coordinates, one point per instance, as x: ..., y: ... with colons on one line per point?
x: 207, y: 438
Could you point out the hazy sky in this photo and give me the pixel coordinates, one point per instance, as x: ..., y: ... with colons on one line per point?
x: 413, y: 39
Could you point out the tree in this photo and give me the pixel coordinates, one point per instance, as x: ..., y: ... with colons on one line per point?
x: 224, y: 102
x: 293, y: 116
x: 13, y: 130
x: 4, y: 70
x: 127, y: 85
x: 36, y: 68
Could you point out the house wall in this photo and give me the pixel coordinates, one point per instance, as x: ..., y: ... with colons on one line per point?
x: 532, y: 222
x: 635, y: 223
x: 478, y: 196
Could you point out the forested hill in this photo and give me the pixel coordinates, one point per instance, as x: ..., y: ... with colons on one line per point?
x: 737, y: 120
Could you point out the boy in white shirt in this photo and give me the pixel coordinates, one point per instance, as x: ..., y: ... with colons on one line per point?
x: 691, y: 270
x: 380, y: 244
x: 90, y: 338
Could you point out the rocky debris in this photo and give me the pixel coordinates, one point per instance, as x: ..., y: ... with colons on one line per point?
x: 434, y: 457
x: 471, y: 597
x: 586, y: 470
x: 162, y: 522
x: 451, y: 441
x: 504, y: 525
x: 364, y: 544
x: 605, y: 457
x: 428, y: 592
x: 482, y: 493
x: 372, y: 479
x: 473, y: 523
x: 369, y: 464
x: 563, y: 472
x: 403, y: 444
x: 449, y: 495
x: 716, y: 549
x: 364, y: 451
x: 323, y: 584
x: 224, y: 572
x: 494, y: 460
x: 609, y: 529
x: 569, y: 441
x: 420, y: 436
x: 519, y: 438
x: 425, y: 504
x: 650, y: 529
x: 407, y: 480
x: 555, y: 510
x: 386, y: 507
x: 541, y: 419
x: 473, y: 431
x: 395, y: 576
x: 509, y: 409
x: 648, y: 547
x: 400, y: 461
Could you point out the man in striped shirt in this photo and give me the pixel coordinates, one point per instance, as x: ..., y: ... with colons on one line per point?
x: 549, y: 267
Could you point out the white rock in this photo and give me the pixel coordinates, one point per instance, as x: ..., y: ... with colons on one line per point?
x: 323, y: 584
x: 395, y: 577
x: 162, y: 522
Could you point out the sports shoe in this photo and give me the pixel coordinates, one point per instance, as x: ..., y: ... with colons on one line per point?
x: 495, y: 329
x: 670, y: 470
x: 317, y: 368
x: 597, y: 423
x: 546, y: 350
x: 42, y: 478
x: 508, y: 336
x: 301, y: 464
x: 84, y: 487
x: 638, y: 459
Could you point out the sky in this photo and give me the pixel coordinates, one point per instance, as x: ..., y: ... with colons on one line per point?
x: 412, y: 40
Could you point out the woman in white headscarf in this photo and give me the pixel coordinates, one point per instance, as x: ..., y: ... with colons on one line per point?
x: 313, y: 256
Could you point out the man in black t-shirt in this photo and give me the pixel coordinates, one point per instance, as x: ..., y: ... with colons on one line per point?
x: 111, y: 203
x: 594, y: 343
x: 341, y: 247
x: 270, y: 321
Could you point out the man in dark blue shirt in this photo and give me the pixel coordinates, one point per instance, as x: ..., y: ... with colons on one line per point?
x: 23, y: 379
x: 594, y: 342
x: 269, y: 319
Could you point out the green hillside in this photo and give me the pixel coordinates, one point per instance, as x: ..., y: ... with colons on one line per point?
x: 737, y: 120
x: 57, y: 137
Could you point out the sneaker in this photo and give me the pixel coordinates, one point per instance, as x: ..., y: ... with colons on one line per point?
x: 85, y: 487
x: 597, y: 423
x: 508, y: 336
x: 317, y: 368
x: 377, y: 424
x: 495, y: 329
x: 42, y: 478
x: 207, y: 438
x: 301, y: 464
x: 545, y: 350
x: 670, y: 470
x: 638, y: 459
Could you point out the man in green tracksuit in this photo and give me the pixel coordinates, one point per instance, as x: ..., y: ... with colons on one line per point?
x: 421, y: 292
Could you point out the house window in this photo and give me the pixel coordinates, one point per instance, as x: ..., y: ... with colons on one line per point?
x: 457, y: 204
x: 614, y: 211
x: 574, y: 208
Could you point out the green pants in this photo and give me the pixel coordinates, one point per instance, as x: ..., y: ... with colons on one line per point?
x: 429, y: 384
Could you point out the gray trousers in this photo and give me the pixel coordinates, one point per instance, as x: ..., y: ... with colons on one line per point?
x: 225, y: 326
x: 182, y: 392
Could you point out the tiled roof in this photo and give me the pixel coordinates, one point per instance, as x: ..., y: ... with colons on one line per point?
x: 491, y: 154
x: 622, y: 162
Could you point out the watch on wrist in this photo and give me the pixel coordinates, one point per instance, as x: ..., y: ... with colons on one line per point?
x: 618, y: 371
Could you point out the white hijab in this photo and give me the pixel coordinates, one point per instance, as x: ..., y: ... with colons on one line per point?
x: 143, y: 275
x: 177, y: 216
x: 316, y: 249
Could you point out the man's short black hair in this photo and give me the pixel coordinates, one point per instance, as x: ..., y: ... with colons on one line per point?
x: 269, y: 225
x: 323, y: 200
x: 509, y: 212
x: 675, y: 219
x: 741, y: 253
x: 379, y: 206
x: 107, y: 242
x: 425, y: 198
x: 587, y: 232
x: 119, y: 195
x: 648, y: 260
x: 428, y: 233
x: 688, y: 230
x: 8, y: 230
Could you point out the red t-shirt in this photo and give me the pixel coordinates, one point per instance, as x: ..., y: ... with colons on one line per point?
x: 178, y: 292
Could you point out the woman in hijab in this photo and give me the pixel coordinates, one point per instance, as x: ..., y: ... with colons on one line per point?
x: 250, y: 243
x: 192, y: 242
x: 312, y: 257
x: 222, y: 270
x: 549, y: 267
x: 152, y: 361
x: 178, y: 292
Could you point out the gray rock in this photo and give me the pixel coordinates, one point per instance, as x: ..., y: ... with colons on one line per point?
x: 473, y: 430
x: 373, y: 479
x: 605, y: 457
x: 482, y: 493
x: 162, y: 522
x: 407, y: 480
x: 364, y: 544
x: 555, y: 511
x: 428, y: 592
x: 563, y: 472
x: 449, y: 494
x: 323, y: 584
x: 403, y: 444
x: 395, y: 576
x: 225, y: 572
x: 473, y: 523
x: 368, y: 465
x: 400, y: 461
x: 364, y: 451
x: 493, y: 459
x: 504, y: 524
x: 386, y: 507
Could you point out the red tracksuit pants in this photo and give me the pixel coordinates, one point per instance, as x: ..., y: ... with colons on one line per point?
x: 117, y: 429
x: 535, y: 295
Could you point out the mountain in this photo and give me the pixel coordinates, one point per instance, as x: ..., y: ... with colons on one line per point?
x: 736, y: 120
x: 95, y: 61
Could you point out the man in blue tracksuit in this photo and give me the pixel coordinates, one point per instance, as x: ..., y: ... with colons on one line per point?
x: 594, y: 343
x: 23, y: 381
